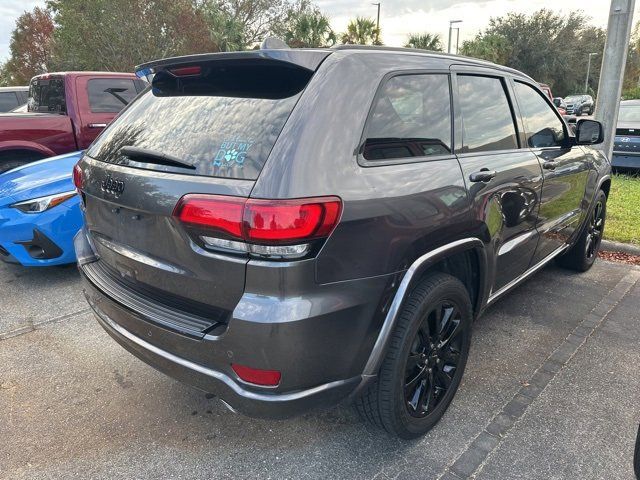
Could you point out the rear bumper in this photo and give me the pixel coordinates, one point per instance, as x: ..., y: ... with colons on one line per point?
x: 231, y: 392
x: 320, y: 348
x: 620, y: 160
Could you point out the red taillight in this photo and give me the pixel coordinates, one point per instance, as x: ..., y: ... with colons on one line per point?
x: 186, y: 71
x: 269, y: 378
x: 276, y: 221
x: 77, y: 177
x: 263, y: 222
x: 223, y: 214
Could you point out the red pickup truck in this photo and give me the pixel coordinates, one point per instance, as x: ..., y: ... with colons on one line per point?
x: 66, y: 112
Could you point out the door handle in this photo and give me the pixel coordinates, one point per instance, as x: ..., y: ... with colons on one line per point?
x: 484, y: 175
x: 549, y: 165
x: 97, y: 125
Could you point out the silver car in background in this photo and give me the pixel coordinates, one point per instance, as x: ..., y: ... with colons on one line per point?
x: 626, y: 146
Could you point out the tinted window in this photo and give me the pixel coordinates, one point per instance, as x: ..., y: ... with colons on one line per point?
x: 47, y: 95
x: 541, y: 124
x: 220, y: 136
x: 487, y: 120
x: 8, y: 101
x: 110, y: 95
x: 411, y: 118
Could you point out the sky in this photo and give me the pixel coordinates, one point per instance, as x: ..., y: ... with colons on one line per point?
x: 398, y: 18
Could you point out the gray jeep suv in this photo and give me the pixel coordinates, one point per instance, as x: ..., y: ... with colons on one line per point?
x: 290, y: 228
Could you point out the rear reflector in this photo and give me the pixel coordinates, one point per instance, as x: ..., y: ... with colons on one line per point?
x: 229, y: 222
x: 269, y: 378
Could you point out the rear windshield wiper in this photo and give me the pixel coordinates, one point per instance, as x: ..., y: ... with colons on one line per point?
x: 149, y: 156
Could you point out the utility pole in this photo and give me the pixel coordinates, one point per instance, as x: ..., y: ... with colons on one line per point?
x: 377, y: 23
x: 451, y: 22
x: 614, y: 60
x: 586, y: 80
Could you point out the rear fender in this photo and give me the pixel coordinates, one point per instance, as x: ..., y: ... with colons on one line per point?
x: 410, y: 279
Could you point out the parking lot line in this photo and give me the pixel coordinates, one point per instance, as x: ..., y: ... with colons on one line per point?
x: 471, y: 460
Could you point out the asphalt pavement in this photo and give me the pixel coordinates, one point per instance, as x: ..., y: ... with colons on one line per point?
x: 551, y: 391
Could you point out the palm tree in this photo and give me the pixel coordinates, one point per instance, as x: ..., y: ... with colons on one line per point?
x: 425, y: 41
x: 361, y: 31
x: 310, y: 30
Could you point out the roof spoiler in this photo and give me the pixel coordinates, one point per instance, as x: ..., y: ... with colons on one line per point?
x: 308, y: 59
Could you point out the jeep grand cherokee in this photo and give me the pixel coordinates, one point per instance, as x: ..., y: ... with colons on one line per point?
x: 290, y: 228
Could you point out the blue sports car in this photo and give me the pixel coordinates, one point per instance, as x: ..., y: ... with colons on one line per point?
x: 39, y: 212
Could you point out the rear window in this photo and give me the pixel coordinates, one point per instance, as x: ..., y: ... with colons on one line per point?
x: 47, y: 95
x: 223, y: 126
x: 110, y: 95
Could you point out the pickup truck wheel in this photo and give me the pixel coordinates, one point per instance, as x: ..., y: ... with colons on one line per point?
x: 584, y: 253
x: 13, y: 160
x: 425, y: 359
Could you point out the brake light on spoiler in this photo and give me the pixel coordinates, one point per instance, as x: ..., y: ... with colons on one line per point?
x: 267, y: 228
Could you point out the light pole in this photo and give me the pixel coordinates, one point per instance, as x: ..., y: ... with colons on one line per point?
x: 451, y: 22
x: 377, y: 23
x: 614, y: 58
x: 586, y: 80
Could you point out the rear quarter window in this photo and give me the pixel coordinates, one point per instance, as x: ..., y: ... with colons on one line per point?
x: 411, y: 118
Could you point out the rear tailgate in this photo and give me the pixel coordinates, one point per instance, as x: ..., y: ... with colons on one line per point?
x: 141, y: 244
x: 209, y: 131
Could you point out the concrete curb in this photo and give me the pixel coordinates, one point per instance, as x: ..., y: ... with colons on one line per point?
x: 609, y: 246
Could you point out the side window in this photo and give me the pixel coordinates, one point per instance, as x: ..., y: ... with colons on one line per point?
x: 47, y: 95
x: 541, y: 124
x: 411, y: 118
x: 8, y: 101
x: 487, y: 119
x: 110, y: 95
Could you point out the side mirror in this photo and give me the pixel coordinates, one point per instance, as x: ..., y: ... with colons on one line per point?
x: 589, y: 132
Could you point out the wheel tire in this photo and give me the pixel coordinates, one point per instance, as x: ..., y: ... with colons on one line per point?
x: 583, y: 254
x: 435, y: 322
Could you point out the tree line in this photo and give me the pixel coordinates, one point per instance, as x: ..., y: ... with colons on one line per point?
x: 115, y: 35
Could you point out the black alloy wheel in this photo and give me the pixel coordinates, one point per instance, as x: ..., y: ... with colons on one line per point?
x: 433, y: 359
x: 582, y: 255
x: 425, y: 359
x: 595, y: 229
